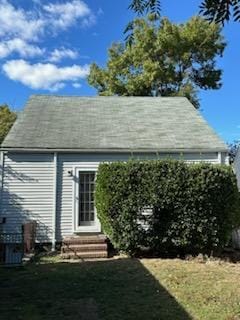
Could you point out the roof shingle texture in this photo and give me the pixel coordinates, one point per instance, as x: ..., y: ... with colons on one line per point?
x: 112, y: 123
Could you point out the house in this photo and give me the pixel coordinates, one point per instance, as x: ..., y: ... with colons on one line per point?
x: 236, y: 168
x: 50, y: 157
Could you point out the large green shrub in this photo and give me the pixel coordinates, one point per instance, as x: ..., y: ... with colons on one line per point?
x: 194, y: 206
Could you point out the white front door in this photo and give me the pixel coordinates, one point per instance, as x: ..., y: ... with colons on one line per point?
x: 85, y: 212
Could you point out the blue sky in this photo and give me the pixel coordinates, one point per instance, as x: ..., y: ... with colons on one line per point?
x: 46, y: 46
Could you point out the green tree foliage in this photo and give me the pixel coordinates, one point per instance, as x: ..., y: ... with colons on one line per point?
x: 7, y: 118
x: 194, y: 207
x: 214, y: 10
x: 142, y: 7
x: 165, y: 59
x: 221, y: 10
x: 233, y: 147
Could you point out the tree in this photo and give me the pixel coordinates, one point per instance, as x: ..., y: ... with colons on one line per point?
x: 142, y: 7
x: 7, y: 118
x: 233, y: 147
x: 214, y: 10
x: 165, y: 59
x: 221, y: 11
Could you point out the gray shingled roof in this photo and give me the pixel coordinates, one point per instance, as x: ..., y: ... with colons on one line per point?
x: 112, y: 123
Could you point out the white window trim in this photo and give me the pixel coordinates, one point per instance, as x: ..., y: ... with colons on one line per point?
x: 76, y: 228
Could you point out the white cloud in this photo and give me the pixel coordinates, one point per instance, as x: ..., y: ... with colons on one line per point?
x: 33, y: 23
x: 23, y: 33
x: 63, y: 15
x: 76, y: 85
x: 22, y: 29
x: 44, y: 76
x: 21, y: 47
x: 15, y: 22
x: 62, y: 53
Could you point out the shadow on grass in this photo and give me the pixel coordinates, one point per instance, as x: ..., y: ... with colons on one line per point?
x: 116, y: 289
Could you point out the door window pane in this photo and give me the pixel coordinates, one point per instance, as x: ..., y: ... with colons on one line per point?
x: 86, y: 198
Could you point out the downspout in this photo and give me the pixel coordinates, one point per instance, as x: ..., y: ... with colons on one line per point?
x: 54, y: 218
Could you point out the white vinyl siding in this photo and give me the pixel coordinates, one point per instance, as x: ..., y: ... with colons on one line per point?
x: 28, y: 193
x: 28, y: 187
x: 67, y: 163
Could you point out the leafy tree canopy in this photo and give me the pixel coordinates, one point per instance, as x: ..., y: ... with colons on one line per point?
x: 7, y: 118
x: 214, y: 10
x: 233, y: 147
x: 142, y: 7
x: 221, y: 10
x: 164, y: 59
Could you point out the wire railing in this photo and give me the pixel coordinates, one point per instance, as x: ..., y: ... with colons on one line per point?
x: 11, y: 248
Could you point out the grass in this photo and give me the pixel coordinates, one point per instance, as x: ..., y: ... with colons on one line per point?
x: 121, y: 289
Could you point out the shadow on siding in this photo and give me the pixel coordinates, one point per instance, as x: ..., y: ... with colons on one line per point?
x: 12, y: 208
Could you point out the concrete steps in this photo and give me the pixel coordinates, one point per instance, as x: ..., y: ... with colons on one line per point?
x: 84, y: 255
x: 84, y: 247
x: 85, y: 239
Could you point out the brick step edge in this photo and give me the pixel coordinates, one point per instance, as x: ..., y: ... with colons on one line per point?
x: 83, y: 240
x: 84, y: 255
x: 84, y: 247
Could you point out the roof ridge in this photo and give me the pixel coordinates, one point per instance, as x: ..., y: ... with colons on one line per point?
x: 103, y: 97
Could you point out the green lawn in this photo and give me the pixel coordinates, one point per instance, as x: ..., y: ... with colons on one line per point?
x: 121, y: 289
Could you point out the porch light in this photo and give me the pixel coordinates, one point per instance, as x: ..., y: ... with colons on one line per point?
x: 70, y: 173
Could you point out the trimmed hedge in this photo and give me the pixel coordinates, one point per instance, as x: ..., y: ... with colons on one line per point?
x: 194, y: 206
